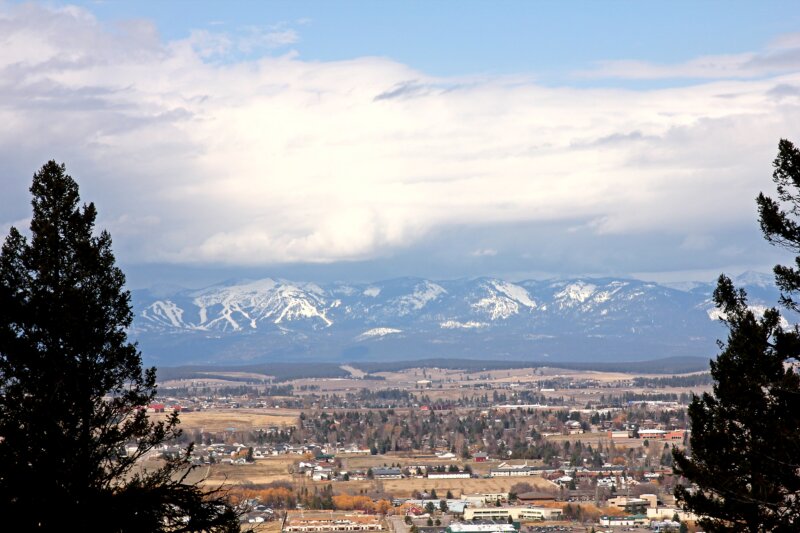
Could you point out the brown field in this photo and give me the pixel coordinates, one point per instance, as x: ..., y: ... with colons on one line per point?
x: 362, y: 462
x: 403, y: 487
x: 273, y: 526
x: 338, y: 385
x: 240, y: 419
x: 263, y: 471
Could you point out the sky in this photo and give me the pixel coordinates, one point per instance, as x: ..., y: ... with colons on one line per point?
x: 361, y: 141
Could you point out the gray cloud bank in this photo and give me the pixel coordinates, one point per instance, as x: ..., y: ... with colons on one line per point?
x: 195, y: 159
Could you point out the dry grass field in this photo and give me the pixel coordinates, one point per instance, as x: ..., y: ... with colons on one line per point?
x: 263, y: 471
x: 273, y: 526
x: 404, y: 487
x: 240, y: 419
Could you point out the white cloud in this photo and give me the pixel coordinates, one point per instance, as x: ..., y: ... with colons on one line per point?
x: 282, y: 160
x: 781, y: 56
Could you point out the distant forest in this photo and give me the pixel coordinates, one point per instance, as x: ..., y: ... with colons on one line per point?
x: 290, y: 371
x: 670, y: 365
x: 280, y: 371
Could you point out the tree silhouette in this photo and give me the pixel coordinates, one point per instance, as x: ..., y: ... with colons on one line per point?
x: 745, y: 455
x: 72, y: 389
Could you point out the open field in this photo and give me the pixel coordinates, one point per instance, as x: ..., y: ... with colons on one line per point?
x: 402, y: 488
x: 263, y: 471
x: 273, y: 526
x: 240, y: 419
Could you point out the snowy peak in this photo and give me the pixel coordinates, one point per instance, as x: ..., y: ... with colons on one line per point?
x: 422, y: 294
x: 575, y: 293
x: 244, y: 306
x: 503, y: 300
x: 754, y: 279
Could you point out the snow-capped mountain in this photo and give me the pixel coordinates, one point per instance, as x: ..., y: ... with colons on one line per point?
x: 577, y: 319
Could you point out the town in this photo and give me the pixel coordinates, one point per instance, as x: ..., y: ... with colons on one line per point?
x: 429, y: 450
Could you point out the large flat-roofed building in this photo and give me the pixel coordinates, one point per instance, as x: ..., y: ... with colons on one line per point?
x: 506, y: 470
x: 332, y: 522
x: 481, y: 528
x: 387, y: 473
x: 449, y: 475
x: 516, y: 513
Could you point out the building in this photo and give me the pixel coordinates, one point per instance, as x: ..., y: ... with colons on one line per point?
x: 506, y: 470
x: 666, y: 513
x: 617, y: 521
x: 631, y: 505
x: 516, y: 513
x: 453, y: 506
x: 332, y: 522
x: 480, y: 457
x: 387, y: 473
x: 481, y: 528
x: 652, y: 434
x: 534, y: 498
x: 449, y: 475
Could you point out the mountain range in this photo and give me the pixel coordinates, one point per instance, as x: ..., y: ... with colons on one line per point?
x: 582, y: 319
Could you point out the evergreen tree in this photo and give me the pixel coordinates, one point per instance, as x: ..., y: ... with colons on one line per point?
x: 72, y: 389
x: 745, y: 455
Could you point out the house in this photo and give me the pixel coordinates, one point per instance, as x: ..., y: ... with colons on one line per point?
x: 321, y: 474
x: 480, y: 457
x: 387, y: 473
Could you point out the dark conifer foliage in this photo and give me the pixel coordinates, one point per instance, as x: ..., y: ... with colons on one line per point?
x: 745, y: 454
x: 779, y: 225
x: 72, y: 388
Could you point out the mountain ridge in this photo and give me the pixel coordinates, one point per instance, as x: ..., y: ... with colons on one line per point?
x: 566, y: 319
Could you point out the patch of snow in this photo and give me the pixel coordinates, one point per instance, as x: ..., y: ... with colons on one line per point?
x: 579, y: 292
x: 165, y: 310
x: 424, y: 293
x: 715, y: 313
x: 454, y: 324
x: 372, y: 292
x: 515, y: 292
x: 754, y: 279
x: 377, y: 332
x: 498, y: 307
x: 604, y: 296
